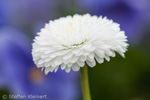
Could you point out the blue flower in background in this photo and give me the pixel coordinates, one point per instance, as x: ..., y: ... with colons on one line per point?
x: 25, y: 13
x: 20, y: 76
x: 131, y: 14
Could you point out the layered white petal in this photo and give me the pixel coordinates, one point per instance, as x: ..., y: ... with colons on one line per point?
x: 73, y: 41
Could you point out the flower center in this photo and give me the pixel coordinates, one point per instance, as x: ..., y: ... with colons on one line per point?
x: 75, y: 45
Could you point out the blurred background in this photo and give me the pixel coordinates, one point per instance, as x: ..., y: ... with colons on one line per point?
x: 119, y: 79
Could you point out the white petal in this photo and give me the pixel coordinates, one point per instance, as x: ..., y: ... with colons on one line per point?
x: 79, y: 53
x: 107, y: 58
x: 41, y: 61
x: 74, y: 59
x: 68, y: 56
x: 90, y: 57
x: 75, y: 51
x: 39, y: 66
x: 56, y: 68
x: 48, y: 59
x: 122, y: 54
x: 87, y: 46
x: 69, y: 64
x: 67, y: 69
x: 108, y: 52
x: 113, y: 54
x: 63, y: 66
x: 91, y: 49
x: 63, y: 52
x: 47, y: 70
x: 75, y: 67
x: 66, y: 61
x: 80, y: 63
x: 82, y: 58
x: 48, y: 64
x: 99, y: 60
x: 85, y: 53
x: 100, y: 53
x: 52, y: 69
x: 91, y: 63
x: 58, y: 60
x: 42, y: 68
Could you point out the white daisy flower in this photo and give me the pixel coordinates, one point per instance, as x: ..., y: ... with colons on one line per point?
x: 70, y: 42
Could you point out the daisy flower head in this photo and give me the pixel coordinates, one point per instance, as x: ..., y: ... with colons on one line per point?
x: 73, y: 41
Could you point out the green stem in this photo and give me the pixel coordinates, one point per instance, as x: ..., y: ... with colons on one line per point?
x: 85, y: 83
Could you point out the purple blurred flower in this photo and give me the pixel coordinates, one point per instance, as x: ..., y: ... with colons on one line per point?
x: 25, y: 13
x: 20, y: 76
x: 130, y: 14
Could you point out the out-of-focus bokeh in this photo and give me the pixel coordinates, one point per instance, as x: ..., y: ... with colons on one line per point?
x: 119, y: 79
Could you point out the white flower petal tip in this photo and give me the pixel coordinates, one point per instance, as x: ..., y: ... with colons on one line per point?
x: 73, y: 41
